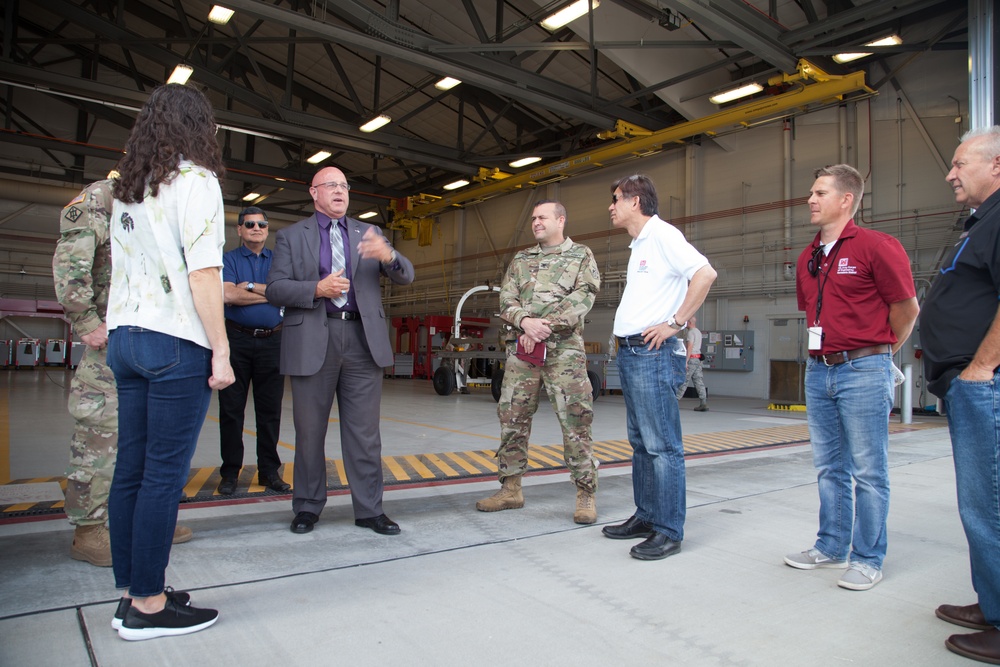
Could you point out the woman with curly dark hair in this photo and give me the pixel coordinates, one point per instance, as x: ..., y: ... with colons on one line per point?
x: 167, y: 344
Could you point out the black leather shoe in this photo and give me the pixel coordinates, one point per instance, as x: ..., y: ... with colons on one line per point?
x: 304, y: 522
x: 227, y: 486
x: 655, y: 547
x: 380, y: 524
x: 274, y: 482
x: 631, y: 529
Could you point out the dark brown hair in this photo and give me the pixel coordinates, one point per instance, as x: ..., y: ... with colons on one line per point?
x: 175, y: 123
x: 642, y: 187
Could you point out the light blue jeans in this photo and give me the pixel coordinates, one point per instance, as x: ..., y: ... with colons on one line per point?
x: 848, y: 407
x: 163, y: 397
x: 974, y: 423
x: 650, y: 380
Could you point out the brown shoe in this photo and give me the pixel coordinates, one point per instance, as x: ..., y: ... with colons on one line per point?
x: 969, y: 616
x: 182, y: 534
x: 509, y: 497
x: 981, y: 646
x: 92, y: 544
x: 586, y: 507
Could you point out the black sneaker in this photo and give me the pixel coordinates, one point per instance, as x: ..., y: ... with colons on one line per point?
x: 180, y: 597
x: 175, y: 619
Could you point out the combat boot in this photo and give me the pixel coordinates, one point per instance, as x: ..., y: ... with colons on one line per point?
x: 586, y: 507
x: 702, y: 407
x: 509, y: 497
x: 92, y: 544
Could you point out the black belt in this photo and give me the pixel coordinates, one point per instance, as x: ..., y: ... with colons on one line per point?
x: 632, y: 341
x: 344, y: 315
x: 834, y: 358
x: 250, y: 331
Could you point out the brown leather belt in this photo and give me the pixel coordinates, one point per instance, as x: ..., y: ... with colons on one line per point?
x: 834, y: 358
x: 250, y: 331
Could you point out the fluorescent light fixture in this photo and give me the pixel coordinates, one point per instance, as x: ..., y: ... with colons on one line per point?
x: 367, y: 214
x: 891, y: 40
x: 375, y: 123
x: 447, y: 83
x: 181, y: 74
x: 220, y: 14
x: 250, y: 196
x: 319, y: 157
x: 736, y: 93
x: 568, y: 13
x: 524, y: 162
x: 461, y: 183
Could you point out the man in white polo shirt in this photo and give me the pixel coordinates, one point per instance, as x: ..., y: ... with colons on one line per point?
x: 667, y: 283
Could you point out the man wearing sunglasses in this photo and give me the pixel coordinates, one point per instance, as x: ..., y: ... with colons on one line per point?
x: 856, y: 289
x: 254, y: 330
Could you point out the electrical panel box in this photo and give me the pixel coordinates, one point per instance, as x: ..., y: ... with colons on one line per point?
x: 727, y: 350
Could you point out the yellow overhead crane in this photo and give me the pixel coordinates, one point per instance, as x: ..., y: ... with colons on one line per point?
x: 412, y: 213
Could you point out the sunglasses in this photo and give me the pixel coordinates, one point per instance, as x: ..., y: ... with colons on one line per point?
x: 615, y: 198
x: 812, y: 266
x: 250, y: 223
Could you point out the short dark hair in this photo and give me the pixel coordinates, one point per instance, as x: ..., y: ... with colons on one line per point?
x: 639, y: 185
x: 559, y: 208
x: 250, y: 210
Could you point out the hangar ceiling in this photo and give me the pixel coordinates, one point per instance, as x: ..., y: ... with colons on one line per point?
x: 291, y: 77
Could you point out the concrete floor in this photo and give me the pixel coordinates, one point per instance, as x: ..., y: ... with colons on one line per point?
x: 460, y: 587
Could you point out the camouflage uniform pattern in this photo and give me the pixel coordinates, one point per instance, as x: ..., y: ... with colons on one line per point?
x: 81, y: 268
x: 559, y: 285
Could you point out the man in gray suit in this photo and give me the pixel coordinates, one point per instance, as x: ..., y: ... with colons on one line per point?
x: 325, y: 273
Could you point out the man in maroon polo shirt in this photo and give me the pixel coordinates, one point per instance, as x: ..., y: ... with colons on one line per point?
x: 856, y: 289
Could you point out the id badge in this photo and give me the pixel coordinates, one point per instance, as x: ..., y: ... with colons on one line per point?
x: 815, y: 338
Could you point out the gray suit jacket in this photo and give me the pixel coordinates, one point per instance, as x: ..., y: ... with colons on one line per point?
x: 292, y: 284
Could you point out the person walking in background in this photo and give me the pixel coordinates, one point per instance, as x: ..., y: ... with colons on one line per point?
x: 254, y: 329
x: 856, y: 290
x: 695, y: 374
x: 547, y: 291
x: 335, y: 343
x: 667, y: 282
x: 81, y: 268
x: 167, y: 344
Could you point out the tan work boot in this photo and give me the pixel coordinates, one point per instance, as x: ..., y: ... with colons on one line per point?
x: 92, y: 544
x: 182, y: 534
x: 507, y: 498
x: 586, y: 507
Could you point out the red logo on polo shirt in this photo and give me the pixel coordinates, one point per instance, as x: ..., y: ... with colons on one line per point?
x: 844, y: 266
x: 643, y: 267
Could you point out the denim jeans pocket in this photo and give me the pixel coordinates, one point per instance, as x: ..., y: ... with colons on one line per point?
x: 153, y: 352
x: 876, y: 363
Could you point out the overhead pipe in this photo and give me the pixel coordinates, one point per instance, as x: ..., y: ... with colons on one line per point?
x: 786, y: 139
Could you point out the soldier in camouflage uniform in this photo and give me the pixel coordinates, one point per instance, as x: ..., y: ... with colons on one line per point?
x: 547, y: 292
x: 81, y: 268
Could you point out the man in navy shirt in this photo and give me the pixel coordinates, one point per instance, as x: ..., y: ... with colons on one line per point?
x: 254, y: 328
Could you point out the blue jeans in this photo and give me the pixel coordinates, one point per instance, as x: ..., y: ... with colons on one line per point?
x: 163, y: 397
x: 848, y: 407
x: 650, y: 380
x: 974, y: 423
